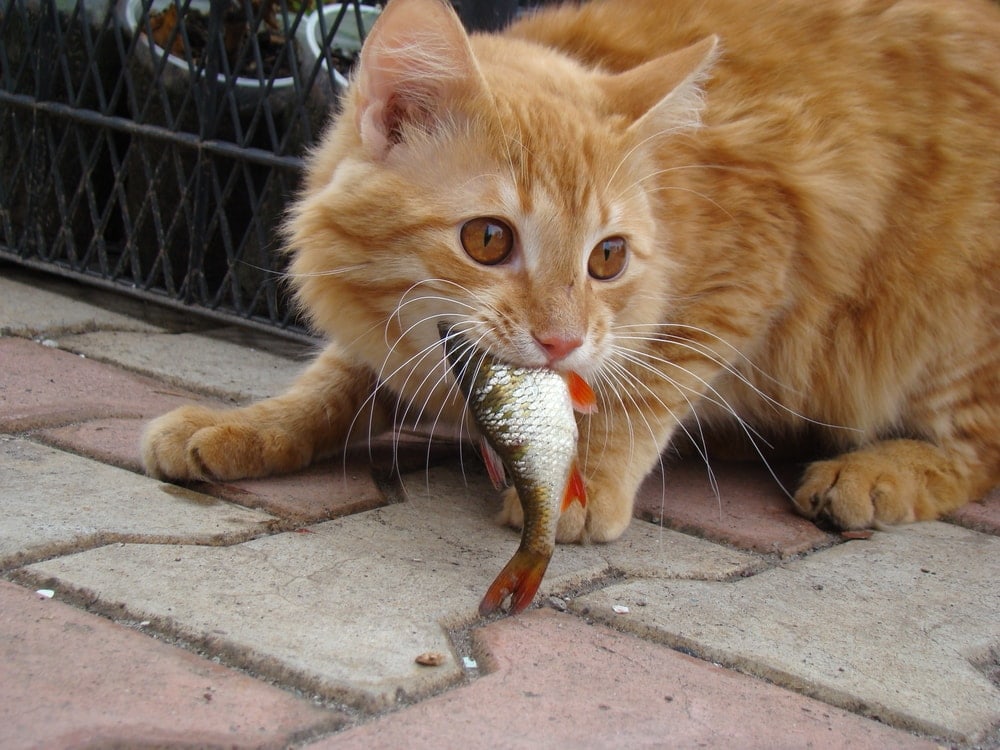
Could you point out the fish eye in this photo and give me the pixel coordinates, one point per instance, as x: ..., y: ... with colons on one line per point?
x: 608, y: 258
x: 487, y: 240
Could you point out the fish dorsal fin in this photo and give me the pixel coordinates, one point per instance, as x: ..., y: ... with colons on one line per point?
x: 494, y: 464
x: 581, y: 394
x: 575, y: 489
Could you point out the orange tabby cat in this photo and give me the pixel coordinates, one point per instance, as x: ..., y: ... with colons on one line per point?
x: 783, y: 215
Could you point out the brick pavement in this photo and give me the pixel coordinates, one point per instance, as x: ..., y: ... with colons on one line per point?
x: 288, y: 612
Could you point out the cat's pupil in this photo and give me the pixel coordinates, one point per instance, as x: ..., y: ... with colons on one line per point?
x: 486, y: 240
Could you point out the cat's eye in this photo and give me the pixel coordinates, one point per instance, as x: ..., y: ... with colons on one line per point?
x: 607, y: 259
x: 488, y: 241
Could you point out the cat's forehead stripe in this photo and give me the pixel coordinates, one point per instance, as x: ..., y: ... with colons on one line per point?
x: 548, y: 144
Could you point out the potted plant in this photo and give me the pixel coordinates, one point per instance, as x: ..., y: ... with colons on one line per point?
x: 330, y: 41
x: 205, y: 219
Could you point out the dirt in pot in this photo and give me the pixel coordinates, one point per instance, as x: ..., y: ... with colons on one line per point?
x: 237, y: 28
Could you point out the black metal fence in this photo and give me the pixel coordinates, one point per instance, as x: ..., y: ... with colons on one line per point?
x: 152, y: 145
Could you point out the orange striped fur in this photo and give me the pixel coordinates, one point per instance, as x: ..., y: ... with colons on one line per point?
x: 809, y: 193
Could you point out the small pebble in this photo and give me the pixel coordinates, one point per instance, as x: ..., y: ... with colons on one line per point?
x: 431, y: 659
x: 557, y: 603
x: 620, y: 609
x: 45, y: 593
x: 856, y: 534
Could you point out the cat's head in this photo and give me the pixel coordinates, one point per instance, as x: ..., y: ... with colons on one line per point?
x: 493, y: 184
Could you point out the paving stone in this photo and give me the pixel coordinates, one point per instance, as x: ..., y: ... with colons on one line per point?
x: 747, y: 508
x: 319, y: 493
x: 26, y: 310
x: 904, y: 626
x: 982, y: 516
x: 73, y: 680
x: 42, y: 387
x: 344, y: 607
x: 190, y: 360
x: 53, y: 502
x: 110, y: 441
x: 555, y: 681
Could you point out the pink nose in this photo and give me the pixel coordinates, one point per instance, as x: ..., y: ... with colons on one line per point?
x: 558, y: 347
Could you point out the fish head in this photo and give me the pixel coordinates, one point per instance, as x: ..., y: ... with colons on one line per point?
x: 460, y: 356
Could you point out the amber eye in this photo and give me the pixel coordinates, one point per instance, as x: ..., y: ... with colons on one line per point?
x: 487, y: 241
x: 608, y: 258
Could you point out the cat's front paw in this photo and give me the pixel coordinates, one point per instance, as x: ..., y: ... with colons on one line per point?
x: 860, y: 490
x: 571, y: 526
x: 597, y: 522
x: 511, y: 513
x: 196, y: 443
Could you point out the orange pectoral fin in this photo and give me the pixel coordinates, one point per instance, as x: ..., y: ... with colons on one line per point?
x: 494, y: 464
x: 581, y: 394
x: 576, y: 489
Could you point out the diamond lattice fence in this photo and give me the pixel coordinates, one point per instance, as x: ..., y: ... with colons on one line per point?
x: 153, y: 145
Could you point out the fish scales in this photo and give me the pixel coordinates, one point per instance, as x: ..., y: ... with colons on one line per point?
x: 527, y: 416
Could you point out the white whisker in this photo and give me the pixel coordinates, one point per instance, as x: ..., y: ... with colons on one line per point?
x: 710, y: 394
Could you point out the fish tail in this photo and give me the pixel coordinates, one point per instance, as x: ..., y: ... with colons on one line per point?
x: 519, y: 579
x: 581, y: 394
x: 576, y: 489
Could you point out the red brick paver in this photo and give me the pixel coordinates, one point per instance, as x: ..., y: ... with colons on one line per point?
x: 750, y: 510
x: 71, y: 679
x: 42, y: 387
x: 321, y: 492
x: 982, y: 516
x: 110, y: 441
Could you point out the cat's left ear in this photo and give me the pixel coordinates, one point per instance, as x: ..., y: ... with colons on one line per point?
x: 415, y: 61
x: 673, y: 82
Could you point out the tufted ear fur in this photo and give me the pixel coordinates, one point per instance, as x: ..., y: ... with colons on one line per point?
x: 415, y: 59
x: 673, y: 82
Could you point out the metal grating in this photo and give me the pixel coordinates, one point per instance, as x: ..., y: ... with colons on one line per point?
x: 167, y: 175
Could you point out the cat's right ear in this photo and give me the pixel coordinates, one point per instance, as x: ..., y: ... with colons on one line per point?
x: 672, y: 84
x: 415, y: 60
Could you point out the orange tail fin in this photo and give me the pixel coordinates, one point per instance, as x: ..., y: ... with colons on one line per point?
x: 581, y: 394
x: 519, y: 579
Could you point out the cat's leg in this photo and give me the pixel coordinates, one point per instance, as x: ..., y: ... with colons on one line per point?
x: 900, y: 481
x: 281, y: 434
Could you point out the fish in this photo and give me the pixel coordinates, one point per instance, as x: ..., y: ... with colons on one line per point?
x: 525, y: 416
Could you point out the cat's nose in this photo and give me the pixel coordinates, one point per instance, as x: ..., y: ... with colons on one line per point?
x: 558, y: 347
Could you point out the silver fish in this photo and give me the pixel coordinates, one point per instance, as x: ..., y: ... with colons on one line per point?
x: 525, y: 416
